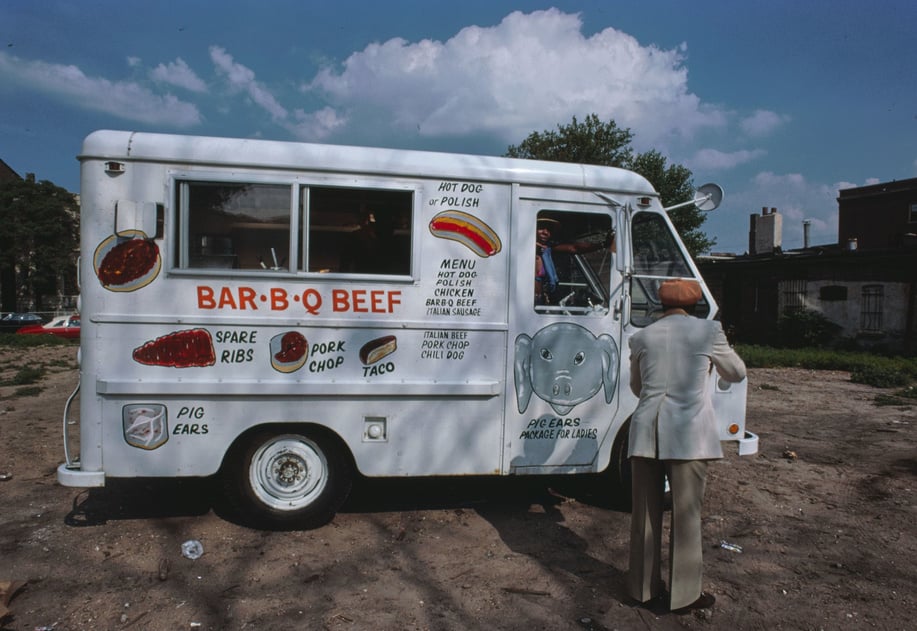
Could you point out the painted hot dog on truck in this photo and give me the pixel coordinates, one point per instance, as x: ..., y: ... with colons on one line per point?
x: 467, y: 230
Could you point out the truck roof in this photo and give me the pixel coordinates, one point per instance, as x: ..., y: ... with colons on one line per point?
x: 299, y: 156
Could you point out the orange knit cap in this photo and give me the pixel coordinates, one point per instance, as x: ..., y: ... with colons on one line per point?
x: 679, y: 293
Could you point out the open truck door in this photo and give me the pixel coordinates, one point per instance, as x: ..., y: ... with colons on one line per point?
x: 565, y: 335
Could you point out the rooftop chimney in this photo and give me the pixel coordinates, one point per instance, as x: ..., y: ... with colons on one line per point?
x: 766, y: 232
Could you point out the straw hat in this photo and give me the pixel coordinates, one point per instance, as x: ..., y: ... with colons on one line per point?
x: 547, y: 222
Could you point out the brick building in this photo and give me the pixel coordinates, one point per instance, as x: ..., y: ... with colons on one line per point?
x: 866, y: 283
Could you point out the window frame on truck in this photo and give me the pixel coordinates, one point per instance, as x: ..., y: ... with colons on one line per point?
x: 648, y: 275
x: 382, y: 226
x: 589, y: 242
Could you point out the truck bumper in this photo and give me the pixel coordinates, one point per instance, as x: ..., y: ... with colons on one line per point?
x: 72, y: 476
x: 748, y: 445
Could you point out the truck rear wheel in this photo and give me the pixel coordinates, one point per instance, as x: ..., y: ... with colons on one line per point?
x: 289, y: 478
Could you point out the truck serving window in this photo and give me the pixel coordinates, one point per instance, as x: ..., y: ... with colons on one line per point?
x: 657, y: 256
x: 252, y: 226
x: 573, y: 262
x: 357, y: 231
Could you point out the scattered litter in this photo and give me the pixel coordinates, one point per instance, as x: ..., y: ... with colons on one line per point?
x: 523, y: 590
x: 703, y: 614
x: 6, y: 476
x: 192, y: 549
x: 790, y: 455
x: 590, y: 624
x: 732, y: 547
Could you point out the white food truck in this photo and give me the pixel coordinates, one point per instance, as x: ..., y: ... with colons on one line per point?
x: 288, y: 315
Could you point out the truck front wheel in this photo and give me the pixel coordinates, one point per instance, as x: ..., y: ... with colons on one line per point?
x: 289, y: 479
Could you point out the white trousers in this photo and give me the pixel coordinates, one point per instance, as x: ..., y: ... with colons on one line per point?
x: 687, y: 480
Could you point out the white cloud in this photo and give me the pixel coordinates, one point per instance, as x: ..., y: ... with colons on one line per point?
x: 531, y: 71
x: 769, y: 180
x: 317, y: 125
x: 124, y: 99
x: 713, y: 159
x: 178, y: 74
x: 762, y: 123
x: 243, y: 79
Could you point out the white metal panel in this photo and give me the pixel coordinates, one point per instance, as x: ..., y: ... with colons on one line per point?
x: 268, y: 154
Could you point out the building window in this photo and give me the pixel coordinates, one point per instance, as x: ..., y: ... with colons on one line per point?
x: 794, y: 296
x: 871, y: 309
x: 912, y: 216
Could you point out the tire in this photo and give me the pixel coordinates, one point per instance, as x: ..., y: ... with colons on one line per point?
x: 288, y: 479
x: 611, y: 487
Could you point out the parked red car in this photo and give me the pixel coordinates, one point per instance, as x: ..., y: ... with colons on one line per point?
x: 64, y: 326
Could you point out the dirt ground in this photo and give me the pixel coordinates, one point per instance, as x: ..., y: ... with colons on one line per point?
x: 824, y: 515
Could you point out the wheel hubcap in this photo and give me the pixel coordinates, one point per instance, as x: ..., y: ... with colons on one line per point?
x: 288, y: 472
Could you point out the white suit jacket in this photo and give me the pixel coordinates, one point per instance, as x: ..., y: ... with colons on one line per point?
x: 670, y: 362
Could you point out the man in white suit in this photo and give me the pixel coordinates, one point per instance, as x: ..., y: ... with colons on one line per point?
x: 673, y: 432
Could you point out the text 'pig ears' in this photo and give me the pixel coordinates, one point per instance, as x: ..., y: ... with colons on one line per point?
x: 610, y: 357
x: 522, y: 371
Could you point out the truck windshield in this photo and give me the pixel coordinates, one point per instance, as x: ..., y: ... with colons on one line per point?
x: 657, y: 256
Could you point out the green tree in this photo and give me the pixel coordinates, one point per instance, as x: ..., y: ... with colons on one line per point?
x: 604, y: 143
x: 38, y: 234
x: 589, y: 142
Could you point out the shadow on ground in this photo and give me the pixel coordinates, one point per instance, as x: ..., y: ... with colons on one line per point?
x: 148, y: 498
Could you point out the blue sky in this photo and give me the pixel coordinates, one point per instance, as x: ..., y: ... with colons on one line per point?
x: 781, y: 102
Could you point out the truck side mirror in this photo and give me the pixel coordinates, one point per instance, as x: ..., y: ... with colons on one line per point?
x: 707, y: 197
